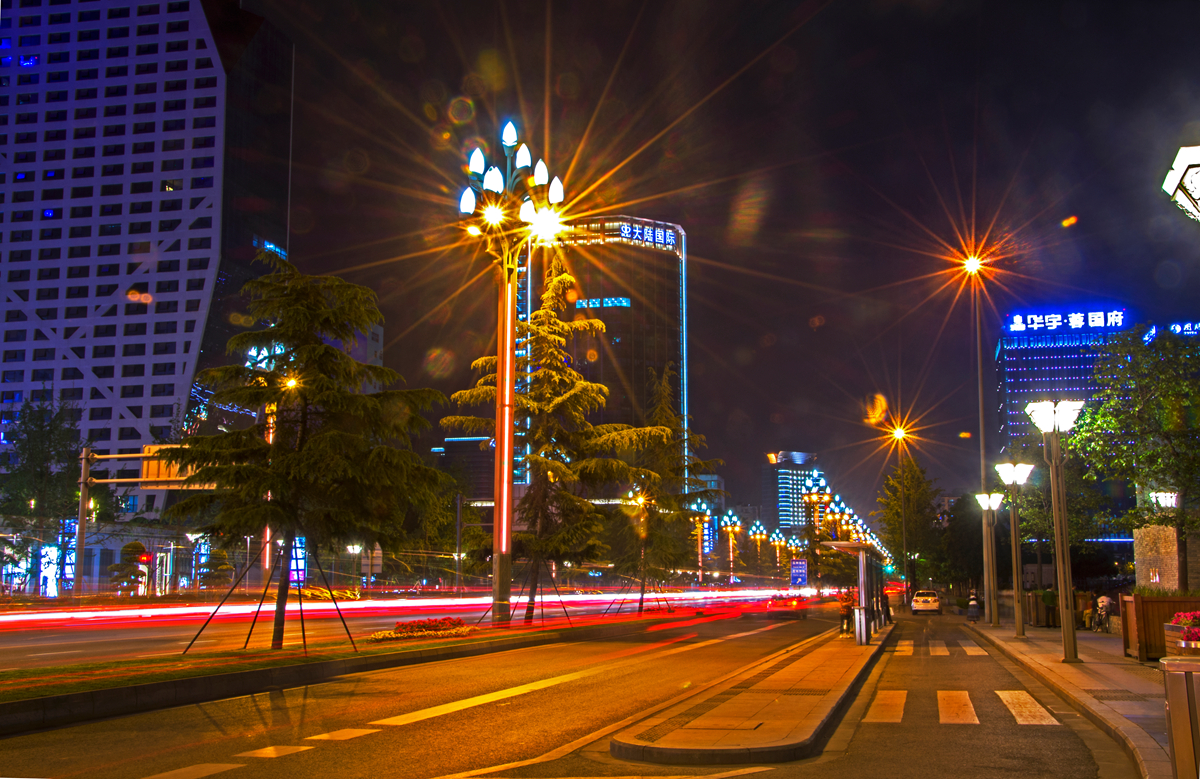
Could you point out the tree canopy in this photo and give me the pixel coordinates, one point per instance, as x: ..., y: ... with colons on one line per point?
x: 326, y: 459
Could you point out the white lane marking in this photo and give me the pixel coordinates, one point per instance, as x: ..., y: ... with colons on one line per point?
x: 904, y: 648
x: 938, y: 648
x: 47, y: 654
x: 342, y: 735
x: 273, y: 751
x: 954, y: 708
x: 973, y: 649
x: 197, y: 771
x: 888, y: 706
x: 541, y: 684
x: 1025, y: 709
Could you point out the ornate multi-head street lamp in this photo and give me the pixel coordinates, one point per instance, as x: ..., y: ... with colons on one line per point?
x: 508, y: 212
x: 1053, y: 419
x: 733, y: 526
x: 757, y: 534
x: 1014, y: 475
x: 778, y: 541
x: 702, y: 519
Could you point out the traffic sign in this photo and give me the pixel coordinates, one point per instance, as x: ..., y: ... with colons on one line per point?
x: 799, y: 573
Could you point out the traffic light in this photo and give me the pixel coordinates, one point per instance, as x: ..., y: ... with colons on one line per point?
x: 144, y: 558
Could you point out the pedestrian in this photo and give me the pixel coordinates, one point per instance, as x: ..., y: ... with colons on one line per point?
x: 886, y: 608
x: 846, y: 610
x: 973, y: 608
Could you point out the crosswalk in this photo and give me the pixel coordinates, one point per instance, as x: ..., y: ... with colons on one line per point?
x: 955, y: 707
x: 904, y: 648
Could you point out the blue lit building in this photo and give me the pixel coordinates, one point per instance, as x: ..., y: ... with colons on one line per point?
x: 786, y: 478
x: 1049, y: 354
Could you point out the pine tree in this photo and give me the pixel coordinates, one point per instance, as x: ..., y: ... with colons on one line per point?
x: 327, y: 461
x: 127, y: 575
x: 569, y: 459
x: 215, y: 572
x: 653, y: 535
x: 908, y: 510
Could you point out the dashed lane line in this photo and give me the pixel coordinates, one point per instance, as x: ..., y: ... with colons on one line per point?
x: 197, y: 771
x: 342, y: 735
x: 273, y: 751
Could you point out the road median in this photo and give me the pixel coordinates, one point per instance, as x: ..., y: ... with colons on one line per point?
x: 781, y: 710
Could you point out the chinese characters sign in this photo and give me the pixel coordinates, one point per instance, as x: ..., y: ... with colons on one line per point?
x: 1077, y: 320
x: 659, y: 237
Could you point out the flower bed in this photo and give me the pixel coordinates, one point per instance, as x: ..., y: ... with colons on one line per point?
x: 1183, y: 633
x: 445, y: 627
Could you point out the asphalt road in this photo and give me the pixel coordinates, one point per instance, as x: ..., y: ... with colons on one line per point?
x: 102, y: 638
x: 418, y: 721
x: 933, y: 708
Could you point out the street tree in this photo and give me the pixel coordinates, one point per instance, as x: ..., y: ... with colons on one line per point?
x: 326, y: 459
x: 908, y: 514
x: 569, y: 460
x: 127, y: 575
x: 39, y: 488
x: 654, y: 535
x: 1143, y: 426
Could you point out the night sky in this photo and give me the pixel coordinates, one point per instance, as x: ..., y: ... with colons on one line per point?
x: 824, y: 158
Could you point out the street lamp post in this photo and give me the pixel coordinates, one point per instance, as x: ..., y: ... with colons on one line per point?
x: 1014, y: 475
x: 778, y: 541
x: 899, y: 434
x: 758, y: 533
x: 989, y: 503
x: 702, y: 521
x: 491, y: 200
x: 731, y: 523
x: 1053, y: 419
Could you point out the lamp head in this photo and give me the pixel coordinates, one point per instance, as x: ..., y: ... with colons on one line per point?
x: 545, y: 225
x: 493, y: 214
x: 493, y: 180
x: 466, y: 203
x: 523, y: 159
x: 899, y: 433
x: 475, y: 164
x: 1042, y: 414
x: 555, y: 194
x: 1066, y: 413
x: 527, y: 212
x: 508, y: 136
x: 541, y: 174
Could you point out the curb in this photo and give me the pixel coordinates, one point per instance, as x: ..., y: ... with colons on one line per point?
x: 775, y: 753
x: 1133, y: 740
x: 54, y: 711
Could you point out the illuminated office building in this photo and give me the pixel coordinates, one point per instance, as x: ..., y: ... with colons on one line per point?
x: 145, y: 163
x: 786, y: 478
x: 631, y: 274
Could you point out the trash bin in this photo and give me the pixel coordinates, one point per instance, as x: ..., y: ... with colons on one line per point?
x: 1183, y: 723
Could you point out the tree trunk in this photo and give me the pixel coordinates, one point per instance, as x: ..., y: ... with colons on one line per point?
x: 281, y: 592
x: 536, y: 564
x: 33, y: 582
x: 1181, y: 542
x: 642, y: 576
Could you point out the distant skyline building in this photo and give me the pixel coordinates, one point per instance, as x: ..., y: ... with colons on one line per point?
x: 786, y: 477
x: 145, y: 163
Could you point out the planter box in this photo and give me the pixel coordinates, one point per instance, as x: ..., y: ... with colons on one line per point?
x: 1038, y: 614
x: 1176, y: 646
x: 1144, y: 619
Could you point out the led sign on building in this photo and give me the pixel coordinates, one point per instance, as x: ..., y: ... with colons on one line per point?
x: 1068, y: 320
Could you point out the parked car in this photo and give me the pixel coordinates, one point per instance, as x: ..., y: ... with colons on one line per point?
x: 926, y: 600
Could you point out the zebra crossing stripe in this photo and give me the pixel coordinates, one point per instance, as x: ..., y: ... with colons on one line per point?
x: 1025, y: 709
x: 938, y: 648
x: 954, y: 708
x: 971, y: 647
x: 887, y: 707
x: 904, y: 647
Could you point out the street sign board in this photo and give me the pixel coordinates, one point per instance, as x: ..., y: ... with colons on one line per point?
x: 799, y: 573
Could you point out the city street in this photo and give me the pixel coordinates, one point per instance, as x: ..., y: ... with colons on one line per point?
x: 935, y: 704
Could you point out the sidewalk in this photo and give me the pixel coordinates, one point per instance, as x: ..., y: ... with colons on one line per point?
x: 776, y: 712
x: 1121, y: 696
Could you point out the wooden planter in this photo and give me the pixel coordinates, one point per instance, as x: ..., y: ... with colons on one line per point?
x: 1038, y: 614
x: 1176, y: 646
x: 1144, y: 621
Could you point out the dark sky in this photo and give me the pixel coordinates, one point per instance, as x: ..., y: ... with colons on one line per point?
x: 822, y: 157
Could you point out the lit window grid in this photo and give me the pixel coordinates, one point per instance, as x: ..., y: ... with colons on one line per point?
x: 186, y: 344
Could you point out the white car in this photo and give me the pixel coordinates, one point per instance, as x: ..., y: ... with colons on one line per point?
x: 926, y: 600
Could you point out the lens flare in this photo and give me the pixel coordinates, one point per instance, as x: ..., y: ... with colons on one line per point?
x: 439, y: 363
x: 493, y: 215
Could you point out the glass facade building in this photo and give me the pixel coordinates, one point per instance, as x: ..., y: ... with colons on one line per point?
x: 144, y: 164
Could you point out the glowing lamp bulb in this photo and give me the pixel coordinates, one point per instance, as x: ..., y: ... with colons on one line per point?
x: 493, y: 180
x: 290, y: 383
x: 555, y: 194
x: 523, y: 159
x: 475, y: 164
x: 466, y: 203
x: 541, y: 174
x: 972, y: 264
x: 528, y: 213
x: 545, y: 225
x: 473, y: 230
x: 493, y: 214
x: 509, y: 135
x: 899, y: 433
